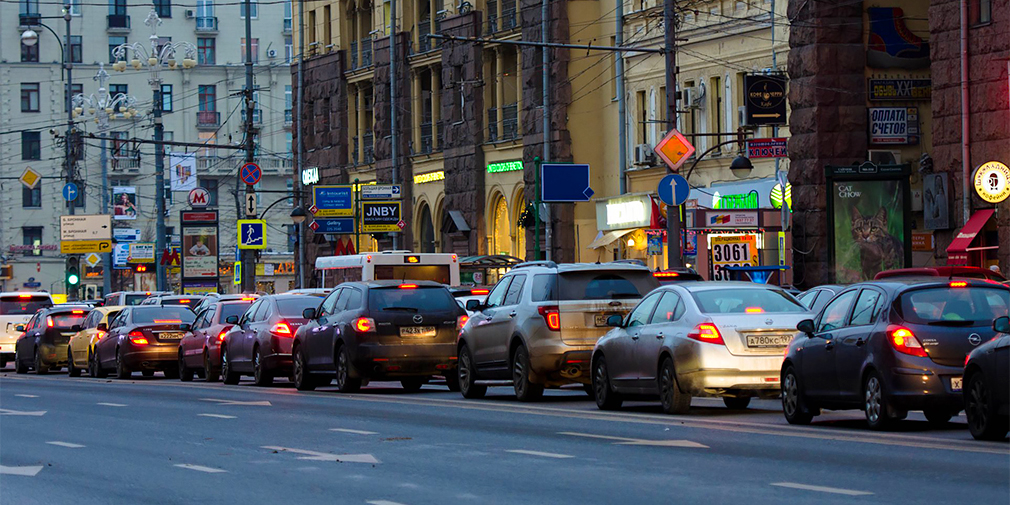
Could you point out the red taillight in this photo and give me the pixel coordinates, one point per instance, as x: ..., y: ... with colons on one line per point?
x: 461, y: 321
x: 706, y: 332
x: 904, y: 341
x: 137, y: 337
x: 479, y: 291
x: 220, y: 336
x: 168, y: 321
x: 363, y: 325
x: 49, y: 322
x: 958, y: 284
x: 76, y: 311
x: 99, y: 334
x: 665, y: 274
x: 754, y: 310
x: 966, y: 358
x: 24, y: 296
x: 282, y: 329
x: 248, y: 299
x: 551, y: 316
x: 184, y: 300
x: 408, y: 286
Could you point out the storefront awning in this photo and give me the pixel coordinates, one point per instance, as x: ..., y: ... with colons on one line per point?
x: 960, y: 244
x: 607, y: 238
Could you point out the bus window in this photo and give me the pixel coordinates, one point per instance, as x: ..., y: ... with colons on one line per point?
x: 437, y: 273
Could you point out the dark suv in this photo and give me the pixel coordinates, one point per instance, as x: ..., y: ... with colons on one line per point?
x: 381, y: 330
x: 43, y: 346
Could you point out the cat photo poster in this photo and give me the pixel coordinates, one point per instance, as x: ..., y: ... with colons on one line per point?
x: 869, y: 228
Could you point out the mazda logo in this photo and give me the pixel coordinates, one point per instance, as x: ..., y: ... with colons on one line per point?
x: 974, y: 339
x: 418, y: 319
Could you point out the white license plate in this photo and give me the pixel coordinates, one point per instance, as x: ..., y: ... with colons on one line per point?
x: 170, y: 336
x: 768, y: 340
x: 956, y: 383
x: 417, y: 331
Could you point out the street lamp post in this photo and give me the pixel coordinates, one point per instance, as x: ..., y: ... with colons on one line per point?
x: 158, y: 56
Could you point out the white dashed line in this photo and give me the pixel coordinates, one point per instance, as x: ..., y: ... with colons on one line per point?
x: 8, y: 412
x: 205, y: 469
x: 260, y: 403
x: 25, y: 471
x: 541, y: 454
x: 821, y: 489
x: 28, y: 396
x: 111, y: 404
x: 65, y: 444
x: 637, y: 441
x: 218, y: 416
x: 354, y: 432
x: 382, y: 502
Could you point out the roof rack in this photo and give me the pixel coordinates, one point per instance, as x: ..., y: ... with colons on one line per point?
x: 542, y: 263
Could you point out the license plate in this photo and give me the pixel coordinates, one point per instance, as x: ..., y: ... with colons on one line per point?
x: 417, y: 331
x: 601, y: 319
x: 170, y: 336
x: 768, y: 340
x: 956, y: 383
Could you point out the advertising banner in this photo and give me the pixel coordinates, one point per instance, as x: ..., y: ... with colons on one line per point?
x: 935, y: 204
x: 199, y: 287
x: 731, y: 251
x: 141, y: 252
x: 199, y: 251
x: 183, y: 173
x: 124, y: 202
x: 894, y: 125
x: 869, y: 228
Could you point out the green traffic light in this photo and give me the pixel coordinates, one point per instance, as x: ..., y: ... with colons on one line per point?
x: 73, y: 279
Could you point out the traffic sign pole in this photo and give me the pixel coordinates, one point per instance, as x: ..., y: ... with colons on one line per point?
x: 536, y: 211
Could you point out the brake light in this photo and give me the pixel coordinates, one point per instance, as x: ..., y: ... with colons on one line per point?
x: 137, y: 337
x: 99, y: 334
x: 966, y: 358
x: 408, y: 286
x: 453, y: 258
x: 958, y: 284
x: 461, y: 321
x: 706, y: 332
x: 220, y: 336
x: 76, y: 311
x: 184, y: 300
x: 665, y: 274
x: 248, y: 299
x: 49, y: 321
x: 479, y: 291
x: 24, y: 296
x: 754, y: 310
x: 281, y: 329
x: 363, y: 325
x: 168, y: 321
x: 551, y: 316
x: 904, y: 341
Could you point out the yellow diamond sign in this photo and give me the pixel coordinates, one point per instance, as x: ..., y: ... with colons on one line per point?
x: 30, y: 178
x: 674, y: 149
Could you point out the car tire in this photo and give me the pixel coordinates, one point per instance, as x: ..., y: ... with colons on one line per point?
x: 526, y: 391
x: 185, y: 373
x: 794, y: 406
x: 673, y: 399
x: 299, y: 373
x: 170, y: 373
x: 72, y: 370
x: 210, y: 373
x: 466, y: 376
x: 149, y: 373
x: 413, y: 384
x: 228, y: 376
x: 346, y: 383
x: 40, y: 368
x: 100, y: 373
x: 261, y: 376
x: 736, y: 402
x: 979, y: 408
x: 3, y: 364
x: 876, y: 404
x: 122, y: 371
x: 452, y: 381
x: 19, y: 366
x: 938, y: 417
x: 605, y: 396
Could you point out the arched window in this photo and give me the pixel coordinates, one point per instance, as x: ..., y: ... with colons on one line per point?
x: 426, y: 230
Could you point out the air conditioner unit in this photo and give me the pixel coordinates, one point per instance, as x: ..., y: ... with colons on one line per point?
x: 271, y: 53
x: 190, y: 14
x: 644, y: 155
x: 694, y: 97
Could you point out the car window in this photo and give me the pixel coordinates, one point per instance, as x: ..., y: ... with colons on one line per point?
x: 544, y: 287
x: 200, y: 318
x: 865, y: 309
x: 834, y: 314
x: 955, y: 305
x: 163, y: 315
x: 353, y: 300
x: 341, y: 303
x: 606, y: 284
x: 249, y: 313
x: 326, y: 308
x: 294, y: 306
x: 111, y: 316
x: 23, y: 304
x: 497, y: 294
x: 31, y: 323
x: 231, y: 309
x: 515, y: 289
x: 746, y: 300
x: 119, y: 319
x: 669, y: 308
x: 808, y: 298
x: 90, y: 321
x: 641, y: 314
x: 416, y: 300
x: 265, y: 311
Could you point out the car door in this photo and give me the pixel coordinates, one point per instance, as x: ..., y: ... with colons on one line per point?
x: 240, y: 342
x: 621, y: 353
x: 504, y: 321
x: 349, y: 308
x: 24, y: 345
x: 318, y: 339
x: 851, y: 342
x: 665, y: 326
x: 107, y: 345
x: 818, y: 376
x: 483, y: 339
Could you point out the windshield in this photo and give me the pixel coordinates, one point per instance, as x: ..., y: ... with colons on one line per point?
x: 969, y: 305
x: 606, y: 285
x: 67, y: 320
x: 162, y: 315
x: 295, y: 305
x: 746, y: 301
x: 437, y: 273
x: 233, y: 309
x: 134, y: 299
x: 411, y: 300
x: 23, y: 305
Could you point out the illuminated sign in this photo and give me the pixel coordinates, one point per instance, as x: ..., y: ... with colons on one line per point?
x: 624, y: 212
x: 745, y: 201
x: 992, y: 182
x: 411, y: 259
x: 429, y: 177
x: 310, y: 176
x: 776, y: 196
x: 505, y: 166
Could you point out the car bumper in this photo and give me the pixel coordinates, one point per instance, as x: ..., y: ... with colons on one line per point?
x: 555, y: 363
x: 279, y: 364
x: 53, y: 355
x: 376, y: 361
x: 919, y: 389
x: 710, y: 370
x: 153, y: 358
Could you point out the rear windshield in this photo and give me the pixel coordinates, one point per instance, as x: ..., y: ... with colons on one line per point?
x: 294, y: 306
x: 16, y: 305
x: 67, y: 320
x: 134, y: 299
x: 233, y: 309
x: 746, y: 301
x: 606, y: 285
x: 437, y: 273
x: 411, y: 300
x: 162, y: 315
x: 954, y: 305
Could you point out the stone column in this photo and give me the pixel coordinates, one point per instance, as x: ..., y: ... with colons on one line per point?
x: 500, y: 86
x: 436, y: 105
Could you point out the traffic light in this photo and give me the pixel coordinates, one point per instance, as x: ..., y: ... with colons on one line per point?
x: 140, y: 268
x: 73, y: 271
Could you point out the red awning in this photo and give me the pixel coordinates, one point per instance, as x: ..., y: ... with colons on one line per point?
x: 959, y: 246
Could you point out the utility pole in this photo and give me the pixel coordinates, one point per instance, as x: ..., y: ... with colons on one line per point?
x: 673, y: 252
x: 622, y: 105
x: 392, y: 103
x: 68, y: 63
x: 544, y: 26
x: 159, y: 183
x: 249, y: 255
x: 300, y: 158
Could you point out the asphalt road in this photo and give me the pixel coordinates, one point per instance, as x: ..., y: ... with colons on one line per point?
x: 162, y: 441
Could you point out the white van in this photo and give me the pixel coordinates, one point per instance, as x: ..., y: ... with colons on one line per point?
x: 16, y: 308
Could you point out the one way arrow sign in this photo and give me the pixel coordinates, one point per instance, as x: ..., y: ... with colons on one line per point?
x: 250, y: 204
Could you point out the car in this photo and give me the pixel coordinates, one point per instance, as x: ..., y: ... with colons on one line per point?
x: 890, y: 346
x: 260, y: 343
x: 540, y: 323
x: 942, y: 271
x: 16, y: 309
x: 200, y: 349
x: 131, y: 297
x: 379, y: 330
x: 42, y: 347
x: 320, y: 292
x: 187, y: 300
x: 82, y: 344
x: 815, y: 299
x: 987, y: 385
x: 144, y: 338
x: 718, y: 339
x: 210, y: 298
x: 463, y: 295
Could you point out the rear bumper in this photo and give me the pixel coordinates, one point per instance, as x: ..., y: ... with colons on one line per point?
x: 375, y: 361
x: 278, y: 364
x: 53, y: 355
x: 710, y: 370
x: 918, y: 389
x: 556, y: 363
x: 152, y: 358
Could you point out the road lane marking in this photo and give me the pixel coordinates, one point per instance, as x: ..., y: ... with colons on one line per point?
x: 323, y: 456
x: 354, y: 432
x: 382, y: 502
x: 822, y: 489
x: 262, y: 403
x: 9, y: 412
x: 541, y: 454
x: 638, y: 441
x: 25, y: 471
x: 219, y: 416
x: 111, y: 404
x: 28, y: 396
x: 65, y: 444
x: 205, y: 469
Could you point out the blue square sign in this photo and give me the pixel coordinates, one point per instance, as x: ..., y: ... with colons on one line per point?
x: 252, y: 234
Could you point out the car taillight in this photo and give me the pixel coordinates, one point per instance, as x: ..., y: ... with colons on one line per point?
x: 661, y: 275
x: 476, y: 292
x: 49, y: 321
x: 461, y: 321
x: 24, y: 296
x: 281, y: 329
x: 99, y: 334
x: 220, y: 336
x: 551, y: 316
x: 363, y: 325
x: 966, y: 358
x: 137, y: 337
x: 76, y: 311
x: 754, y: 310
x: 408, y: 286
x: 706, y: 332
x: 904, y: 341
x: 958, y: 284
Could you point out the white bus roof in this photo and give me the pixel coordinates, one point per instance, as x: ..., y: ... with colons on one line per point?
x: 381, y: 258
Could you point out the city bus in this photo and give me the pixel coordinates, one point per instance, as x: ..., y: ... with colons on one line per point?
x: 388, y: 265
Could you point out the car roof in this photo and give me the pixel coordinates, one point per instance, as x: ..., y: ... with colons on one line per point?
x: 109, y: 308
x: 904, y: 283
x: 18, y: 293
x: 67, y: 308
x: 395, y: 283
x: 711, y: 285
x: 937, y: 271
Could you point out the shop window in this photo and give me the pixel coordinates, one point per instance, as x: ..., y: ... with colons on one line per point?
x: 33, y: 237
x: 502, y: 228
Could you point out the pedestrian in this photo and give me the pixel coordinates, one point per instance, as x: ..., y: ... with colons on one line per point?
x: 995, y: 268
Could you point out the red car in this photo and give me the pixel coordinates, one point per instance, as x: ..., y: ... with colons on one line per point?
x: 942, y: 271
x: 200, y: 349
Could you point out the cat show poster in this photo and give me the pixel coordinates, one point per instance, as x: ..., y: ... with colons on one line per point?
x: 869, y: 226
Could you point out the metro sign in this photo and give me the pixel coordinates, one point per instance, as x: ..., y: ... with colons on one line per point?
x: 199, y: 197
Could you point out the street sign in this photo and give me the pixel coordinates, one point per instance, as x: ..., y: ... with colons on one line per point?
x: 250, y: 173
x: 380, y: 216
x: 673, y: 189
x: 70, y: 191
x: 85, y: 246
x: 86, y: 227
x: 30, y: 178
x: 338, y: 226
x: 92, y: 259
x: 199, y: 197
x: 380, y: 192
x: 126, y: 234
x: 141, y: 252
x: 237, y: 273
x: 767, y: 148
x: 674, y: 149
x: 565, y: 182
x: 765, y: 99
x: 250, y: 204
x: 402, y: 224
x: 333, y: 201
x: 120, y: 255
x: 252, y: 234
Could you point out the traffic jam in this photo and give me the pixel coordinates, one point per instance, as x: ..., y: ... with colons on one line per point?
x: 930, y: 340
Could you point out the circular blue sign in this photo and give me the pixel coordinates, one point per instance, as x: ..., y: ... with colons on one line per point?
x: 250, y: 173
x: 673, y: 189
x: 70, y: 192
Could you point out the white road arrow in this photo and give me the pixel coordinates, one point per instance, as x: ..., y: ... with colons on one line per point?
x: 26, y: 471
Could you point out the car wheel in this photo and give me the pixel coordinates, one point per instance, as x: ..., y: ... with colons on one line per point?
x: 303, y: 381
x: 526, y: 391
x: 793, y: 405
x: 122, y: 371
x: 72, y: 370
x: 346, y: 383
x: 170, y: 373
x: 875, y: 403
x: 210, y: 373
x: 40, y: 368
x: 674, y: 401
x: 261, y: 376
x: 185, y: 372
x: 413, y: 384
x: 938, y: 417
x: 466, y: 375
x: 983, y: 422
x: 19, y: 365
x: 100, y: 373
x: 737, y: 402
x: 227, y: 374
x: 606, y: 397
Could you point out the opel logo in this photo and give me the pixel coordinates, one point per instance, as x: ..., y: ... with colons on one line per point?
x: 418, y: 319
x: 974, y: 339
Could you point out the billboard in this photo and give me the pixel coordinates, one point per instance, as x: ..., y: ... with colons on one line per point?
x: 935, y: 201
x: 183, y: 171
x: 124, y: 202
x: 199, y: 251
x: 869, y: 228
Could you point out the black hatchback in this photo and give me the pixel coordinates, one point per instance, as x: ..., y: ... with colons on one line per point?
x: 42, y: 347
x: 987, y: 385
x: 890, y: 346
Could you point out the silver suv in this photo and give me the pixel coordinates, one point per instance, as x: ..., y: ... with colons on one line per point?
x: 539, y: 324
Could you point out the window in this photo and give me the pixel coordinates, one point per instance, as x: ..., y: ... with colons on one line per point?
x: 289, y: 50
x: 498, y: 293
x: 328, y: 305
x: 76, y: 49
x: 208, y: 98
x: 545, y: 287
x: 834, y: 314
x: 255, y: 49
x: 290, y: 183
x: 289, y: 229
x: 31, y: 146
x: 205, y: 49
x: 287, y: 142
x: 515, y: 290
x: 164, y: 8
x: 33, y: 237
x: 75, y: 89
x: 118, y: 8
x: 670, y: 308
x: 29, y: 97
x: 980, y: 12
x: 75, y: 7
x: 29, y: 6
x: 642, y: 111
x: 31, y: 197
x: 114, y: 42
x: 640, y: 315
x: 166, y: 98
x: 287, y: 15
x: 253, y: 8
x: 30, y: 54
x: 865, y: 311
x: 115, y: 89
x: 211, y: 186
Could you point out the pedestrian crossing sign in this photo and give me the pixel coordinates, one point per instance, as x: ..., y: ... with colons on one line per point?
x: 252, y: 234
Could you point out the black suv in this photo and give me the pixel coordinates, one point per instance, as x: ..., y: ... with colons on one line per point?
x: 43, y: 344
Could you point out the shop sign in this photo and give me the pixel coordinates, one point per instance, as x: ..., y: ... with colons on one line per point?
x: 141, y: 252
x: 777, y: 198
x: 429, y: 177
x: 899, y: 89
x: 380, y: 217
x: 505, y: 166
x: 731, y: 219
x: 922, y: 241
x: 894, y: 125
x: 199, y: 287
x: 992, y: 182
x: 732, y: 250
x: 744, y: 201
x: 654, y: 239
x: 32, y: 247
x: 623, y: 213
x: 126, y: 234
x: 768, y: 148
x: 764, y: 99
x: 310, y: 176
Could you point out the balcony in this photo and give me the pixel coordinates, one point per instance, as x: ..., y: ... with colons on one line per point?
x: 286, y: 30
x: 366, y: 52
x: 206, y: 25
x: 492, y: 124
x: 124, y: 161
x: 492, y: 18
x: 208, y: 119
x: 354, y: 54
x: 368, y: 150
x: 26, y: 21
x: 511, y: 122
x: 508, y: 15
x: 425, y: 44
x: 426, y: 140
x: 118, y: 23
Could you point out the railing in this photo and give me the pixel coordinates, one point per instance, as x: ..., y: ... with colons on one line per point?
x: 206, y: 24
x: 511, y: 121
x: 354, y: 54
x: 425, y: 44
x: 366, y: 52
x: 508, y: 15
x: 205, y: 118
x: 354, y: 150
x: 492, y: 124
x: 124, y: 162
x: 492, y: 18
x: 118, y: 21
x: 426, y: 139
x: 30, y: 19
x: 369, y: 149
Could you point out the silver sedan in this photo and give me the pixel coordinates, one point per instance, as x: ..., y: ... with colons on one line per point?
x: 722, y: 339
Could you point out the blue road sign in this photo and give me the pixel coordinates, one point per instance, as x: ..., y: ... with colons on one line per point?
x: 341, y: 226
x: 332, y: 201
x: 673, y: 189
x: 70, y: 192
x: 252, y: 234
x: 250, y: 173
x: 565, y: 182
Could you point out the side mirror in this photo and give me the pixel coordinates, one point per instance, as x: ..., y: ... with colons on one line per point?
x: 806, y: 326
x: 1002, y: 324
x: 19, y: 327
x: 102, y: 327
x: 615, y: 321
x: 309, y: 313
x: 185, y: 326
x: 474, y: 305
x: 231, y: 319
x: 75, y: 327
